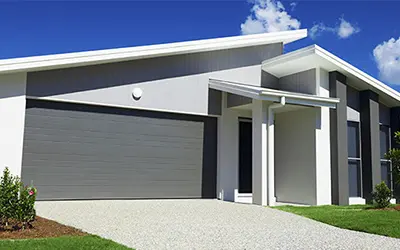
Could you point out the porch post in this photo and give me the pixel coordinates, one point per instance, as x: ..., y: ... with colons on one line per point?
x: 260, y: 138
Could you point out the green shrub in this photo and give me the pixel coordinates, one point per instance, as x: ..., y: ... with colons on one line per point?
x: 382, y: 195
x: 16, y: 202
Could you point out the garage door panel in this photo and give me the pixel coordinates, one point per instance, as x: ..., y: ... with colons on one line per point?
x: 72, y: 126
x: 86, y: 159
x: 38, y: 134
x: 97, y: 152
x: 114, y: 150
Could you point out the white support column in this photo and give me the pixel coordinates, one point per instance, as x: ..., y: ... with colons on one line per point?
x: 260, y: 143
x: 12, y: 113
x: 227, y: 171
x: 271, y: 158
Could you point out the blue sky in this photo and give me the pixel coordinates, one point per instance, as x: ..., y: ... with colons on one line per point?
x: 38, y: 28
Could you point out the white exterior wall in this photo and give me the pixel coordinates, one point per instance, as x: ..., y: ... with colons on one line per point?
x: 12, y: 113
x: 228, y: 145
x: 322, y: 143
x: 295, y: 156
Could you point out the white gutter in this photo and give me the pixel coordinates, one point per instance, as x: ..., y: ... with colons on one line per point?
x: 270, y: 149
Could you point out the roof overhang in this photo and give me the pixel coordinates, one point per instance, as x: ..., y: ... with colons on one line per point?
x: 272, y: 95
x: 317, y: 57
x: 38, y: 63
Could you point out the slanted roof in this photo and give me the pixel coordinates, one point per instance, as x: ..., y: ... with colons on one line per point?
x: 272, y: 95
x: 38, y: 63
x: 317, y: 57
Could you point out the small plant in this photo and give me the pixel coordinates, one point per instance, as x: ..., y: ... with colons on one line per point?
x: 382, y: 195
x: 16, y: 202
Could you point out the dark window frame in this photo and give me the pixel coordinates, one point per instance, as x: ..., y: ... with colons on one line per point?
x: 357, y: 160
x: 384, y: 160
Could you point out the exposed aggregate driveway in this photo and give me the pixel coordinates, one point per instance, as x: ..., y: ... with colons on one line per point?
x: 204, y: 224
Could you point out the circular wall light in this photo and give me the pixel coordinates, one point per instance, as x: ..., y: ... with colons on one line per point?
x: 137, y: 93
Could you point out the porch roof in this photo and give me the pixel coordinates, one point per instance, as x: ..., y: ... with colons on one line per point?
x: 272, y: 95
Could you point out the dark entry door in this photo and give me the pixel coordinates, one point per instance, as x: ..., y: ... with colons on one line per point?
x: 245, y: 157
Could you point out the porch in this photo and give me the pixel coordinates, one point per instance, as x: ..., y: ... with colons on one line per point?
x: 274, y: 146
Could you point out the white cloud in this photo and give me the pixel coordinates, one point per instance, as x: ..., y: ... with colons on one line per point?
x: 268, y: 16
x: 293, y: 6
x: 387, y: 58
x: 346, y: 29
x: 343, y: 30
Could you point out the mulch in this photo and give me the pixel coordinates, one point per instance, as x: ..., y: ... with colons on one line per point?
x: 42, y: 228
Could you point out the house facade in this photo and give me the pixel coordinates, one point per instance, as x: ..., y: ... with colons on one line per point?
x: 230, y: 118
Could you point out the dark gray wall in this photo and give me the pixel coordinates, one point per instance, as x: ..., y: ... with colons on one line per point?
x: 86, y: 152
x: 301, y: 82
x: 395, y: 126
x: 237, y: 100
x: 174, y: 83
x: 339, y: 151
x: 353, y: 104
x: 370, y: 145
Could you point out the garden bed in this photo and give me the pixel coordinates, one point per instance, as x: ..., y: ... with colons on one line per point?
x: 42, y: 228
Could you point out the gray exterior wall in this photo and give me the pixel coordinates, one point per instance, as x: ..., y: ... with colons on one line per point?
x: 302, y: 82
x: 237, y: 100
x: 353, y: 104
x: 86, y: 152
x: 370, y: 142
x: 384, y: 114
x: 339, y: 151
x: 175, y: 83
x: 269, y: 81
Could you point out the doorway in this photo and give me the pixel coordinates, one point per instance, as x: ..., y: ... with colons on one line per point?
x: 245, y: 156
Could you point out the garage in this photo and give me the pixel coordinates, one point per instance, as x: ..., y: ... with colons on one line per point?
x: 77, y: 151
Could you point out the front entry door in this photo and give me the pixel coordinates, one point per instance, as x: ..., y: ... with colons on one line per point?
x: 245, y: 156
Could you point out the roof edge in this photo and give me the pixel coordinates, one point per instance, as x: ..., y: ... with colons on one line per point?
x: 45, y: 62
x: 338, y: 62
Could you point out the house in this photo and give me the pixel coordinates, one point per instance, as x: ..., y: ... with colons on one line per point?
x: 229, y: 118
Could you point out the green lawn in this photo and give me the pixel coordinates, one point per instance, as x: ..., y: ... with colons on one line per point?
x: 355, y: 217
x: 66, y: 242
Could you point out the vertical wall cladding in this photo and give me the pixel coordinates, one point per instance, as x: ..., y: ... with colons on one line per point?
x: 370, y: 145
x: 301, y: 82
x: 338, y: 127
x: 353, y: 104
x: 175, y: 83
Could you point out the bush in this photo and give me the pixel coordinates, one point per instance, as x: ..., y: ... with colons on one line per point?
x: 382, y: 195
x: 16, y: 202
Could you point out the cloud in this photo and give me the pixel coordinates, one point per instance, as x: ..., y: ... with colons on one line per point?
x: 346, y: 29
x: 268, y: 16
x: 387, y: 58
x: 343, y: 30
x: 293, y: 6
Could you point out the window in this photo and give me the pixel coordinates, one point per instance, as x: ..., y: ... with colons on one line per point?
x: 386, y: 172
x: 354, y: 158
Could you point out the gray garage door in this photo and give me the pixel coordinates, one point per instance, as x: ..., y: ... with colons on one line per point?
x: 76, y: 151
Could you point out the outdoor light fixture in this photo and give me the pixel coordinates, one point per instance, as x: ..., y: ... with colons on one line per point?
x: 137, y: 93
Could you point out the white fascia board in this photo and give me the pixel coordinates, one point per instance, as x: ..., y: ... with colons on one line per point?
x: 265, y: 94
x: 37, y: 63
x: 313, y: 57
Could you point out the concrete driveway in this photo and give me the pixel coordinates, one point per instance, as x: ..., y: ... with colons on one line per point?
x: 204, y: 224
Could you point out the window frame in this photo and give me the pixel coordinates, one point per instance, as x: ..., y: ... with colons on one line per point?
x: 357, y: 125
x: 390, y: 175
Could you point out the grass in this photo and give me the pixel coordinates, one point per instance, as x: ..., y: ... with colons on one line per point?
x: 88, y: 242
x: 356, y: 217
